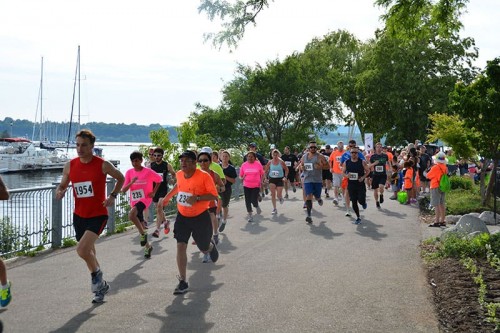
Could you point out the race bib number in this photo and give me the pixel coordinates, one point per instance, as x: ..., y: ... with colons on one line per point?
x: 308, y: 166
x: 182, y: 199
x: 353, y: 176
x: 137, y: 194
x: 84, y: 189
x: 338, y: 158
x: 288, y: 163
x: 379, y: 168
x: 275, y: 174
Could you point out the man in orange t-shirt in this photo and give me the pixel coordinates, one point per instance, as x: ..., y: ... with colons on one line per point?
x: 438, y: 197
x: 336, y: 169
x: 195, y: 189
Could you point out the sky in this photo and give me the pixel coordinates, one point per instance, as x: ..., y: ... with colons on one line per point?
x: 146, y: 62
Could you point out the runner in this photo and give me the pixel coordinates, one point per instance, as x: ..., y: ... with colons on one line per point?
x: 263, y: 161
x: 336, y: 170
x: 312, y: 166
x: 291, y: 161
x: 356, y: 171
x: 6, y: 296
x: 195, y: 189
x: 88, y: 173
x: 204, y: 160
x: 380, y: 163
x: 251, y: 173
x: 326, y: 173
x: 163, y: 169
x: 276, y: 172
x: 345, y: 157
x: 139, y: 180
x: 230, y: 173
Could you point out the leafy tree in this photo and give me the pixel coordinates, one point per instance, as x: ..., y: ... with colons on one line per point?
x: 452, y: 130
x: 240, y: 14
x: 478, y: 104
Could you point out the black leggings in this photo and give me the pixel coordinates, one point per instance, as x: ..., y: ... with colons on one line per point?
x: 357, y: 193
x: 251, y: 197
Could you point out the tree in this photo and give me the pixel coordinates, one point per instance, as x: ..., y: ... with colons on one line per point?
x: 478, y: 104
x: 452, y: 130
x: 240, y: 14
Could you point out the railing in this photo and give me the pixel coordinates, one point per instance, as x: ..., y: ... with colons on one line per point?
x: 34, y: 219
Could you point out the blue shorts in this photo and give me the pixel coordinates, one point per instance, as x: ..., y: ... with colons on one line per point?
x: 314, y: 189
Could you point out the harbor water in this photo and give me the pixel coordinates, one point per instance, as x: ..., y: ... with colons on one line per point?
x: 111, y: 150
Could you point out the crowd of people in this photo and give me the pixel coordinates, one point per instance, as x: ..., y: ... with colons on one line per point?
x: 202, y: 189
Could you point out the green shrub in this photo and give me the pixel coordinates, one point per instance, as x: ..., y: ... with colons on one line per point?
x: 456, y: 246
x: 69, y: 242
x: 8, y: 236
x: 458, y: 182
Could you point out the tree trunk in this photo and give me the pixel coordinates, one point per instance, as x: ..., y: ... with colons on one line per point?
x: 491, y: 183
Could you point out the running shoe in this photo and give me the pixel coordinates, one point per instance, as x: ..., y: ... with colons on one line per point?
x: 309, y: 220
x: 281, y: 201
x: 156, y: 233
x: 320, y: 202
x: 206, y: 258
x: 364, y: 205
x: 393, y: 197
x: 348, y: 213
x: 6, y: 296
x: 214, y: 253
x: 181, y: 288
x: 259, y: 211
x: 294, y: 189
x: 335, y: 202
x: 249, y: 218
x: 216, y: 239
x: 259, y: 198
x: 327, y: 195
x: 305, y: 206
x: 377, y: 204
x: 381, y: 198
x: 286, y: 196
x: 275, y: 211
x: 99, y: 295
x: 96, y: 281
x: 222, y: 226
x: 147, y: 252
x: 166, y: 228
x: 144, y: 239
x: 357, y: 221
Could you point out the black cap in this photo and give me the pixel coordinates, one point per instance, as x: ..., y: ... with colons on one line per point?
x: 328, y: 147
x: 252, y: 144
x: 189, y: 154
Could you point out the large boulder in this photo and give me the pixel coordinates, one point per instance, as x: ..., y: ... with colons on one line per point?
x: 467, y: 225
x: 452, y: 219
x: 489, y: 217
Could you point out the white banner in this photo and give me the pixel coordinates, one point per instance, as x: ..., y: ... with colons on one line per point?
x: 368, y: 141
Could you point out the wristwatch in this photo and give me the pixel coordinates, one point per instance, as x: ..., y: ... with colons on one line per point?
x: 114, y: 195
x: 198, y: 198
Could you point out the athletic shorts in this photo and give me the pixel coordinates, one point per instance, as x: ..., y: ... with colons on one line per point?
x: 291, y: 174
x: 212, y: 210
x: 326, y: 174
x: 437, y: 197
x: 314, y: 189
x: 394, y: 188
x: 140, y: 206
x: 160, y: 194
x: 337, y: 179
x: 378, y: 180
x: 199, y: 227
x: 357, y: 192
x: 94, y: 224
x: 226, y: 196
x: 276, y: 181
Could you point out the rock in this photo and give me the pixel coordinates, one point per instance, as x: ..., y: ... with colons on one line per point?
x: 473, y: 214
x: 467, y: 224
x: 489, y: 217
x: 452, y: 219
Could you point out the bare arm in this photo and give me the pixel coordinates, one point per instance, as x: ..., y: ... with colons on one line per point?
x: 4, y: 192
x: 63, y: 185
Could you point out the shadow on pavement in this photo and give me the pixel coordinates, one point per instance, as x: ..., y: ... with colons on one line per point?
x: 322, y: 230
x: 369, y: 229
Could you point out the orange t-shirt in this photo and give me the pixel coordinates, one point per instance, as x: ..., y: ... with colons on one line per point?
x: 335, y: 157
x: 435, y: 174
x: 389, y: 154
x: 408, y: 178
x: 200, y: 183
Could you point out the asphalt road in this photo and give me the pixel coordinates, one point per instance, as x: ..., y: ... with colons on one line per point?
x: 277, y: 274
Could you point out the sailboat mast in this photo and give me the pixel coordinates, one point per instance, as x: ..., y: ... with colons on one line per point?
x: 41, y: 101
x: 79, y: 82
x: 77, y: 79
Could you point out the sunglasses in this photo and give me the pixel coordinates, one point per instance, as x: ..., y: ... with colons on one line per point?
x: 204, y: 160
x: 157, y: 155
x: 354, y: 152
x: 313, y: 147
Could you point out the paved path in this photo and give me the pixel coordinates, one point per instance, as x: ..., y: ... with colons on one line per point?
x: 274, y: 275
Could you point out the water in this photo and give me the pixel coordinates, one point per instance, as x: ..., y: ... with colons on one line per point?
x: 111, y: 150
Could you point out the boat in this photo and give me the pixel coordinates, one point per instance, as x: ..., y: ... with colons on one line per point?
x: 21, y: 155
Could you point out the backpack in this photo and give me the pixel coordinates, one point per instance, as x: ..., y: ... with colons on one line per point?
x: 444, y: 183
